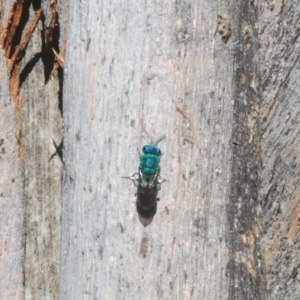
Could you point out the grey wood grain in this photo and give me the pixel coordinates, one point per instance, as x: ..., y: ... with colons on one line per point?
x: 136, y: 71
x: 31, y: 117
x: 11, y: 195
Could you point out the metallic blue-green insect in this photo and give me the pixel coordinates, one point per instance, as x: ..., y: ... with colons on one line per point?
x: 147, y: 183
x: 149, y: 166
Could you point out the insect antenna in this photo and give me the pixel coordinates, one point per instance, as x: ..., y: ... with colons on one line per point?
x: 160, y: 139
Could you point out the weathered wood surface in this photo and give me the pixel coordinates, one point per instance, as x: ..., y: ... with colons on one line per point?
x: 11, y: 187
x: 136, y: 71
x: 30, y: 223
x: 11, y: 195
x: 280, y: 111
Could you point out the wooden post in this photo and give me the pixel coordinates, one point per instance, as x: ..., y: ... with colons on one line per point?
x: 136, y: 72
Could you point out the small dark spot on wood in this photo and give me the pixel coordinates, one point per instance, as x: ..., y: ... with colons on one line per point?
x: 185, y: 276
x: 90, y: 189
x: 169, y: 266
x: 82, y: 253
x: 77, y: 136
x: 3, y: 150
x: 88, y: 43
x: 279, y: 210
x: 196, y: 223
x: 167, y: 210
x: 121, y: 228
x: 109, y: 187
x: 1, y: 142
x: 13, y: 180
x: 144, y: 246
x: 103, y: 60
x: 132, y: 123
x: 294, y: 273
x: 171, y: 285
x: 100, y: 252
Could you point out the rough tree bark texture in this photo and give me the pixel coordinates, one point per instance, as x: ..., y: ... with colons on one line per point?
x: 136, y: 71
x: 30, y: 118
x: 280, y: 116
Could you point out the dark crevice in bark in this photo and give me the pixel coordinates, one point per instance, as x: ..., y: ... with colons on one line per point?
x: 36, y: 4
x: 28, y: 68
x: 18, y: 19
x: 60, y: 75
x: 50, y: 40
x: 20, y: 28
x: 18, y: 35
x: 245, y: 269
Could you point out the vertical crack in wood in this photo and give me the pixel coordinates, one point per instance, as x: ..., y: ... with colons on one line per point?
x: 50, y: 41
x: 245, y: 268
